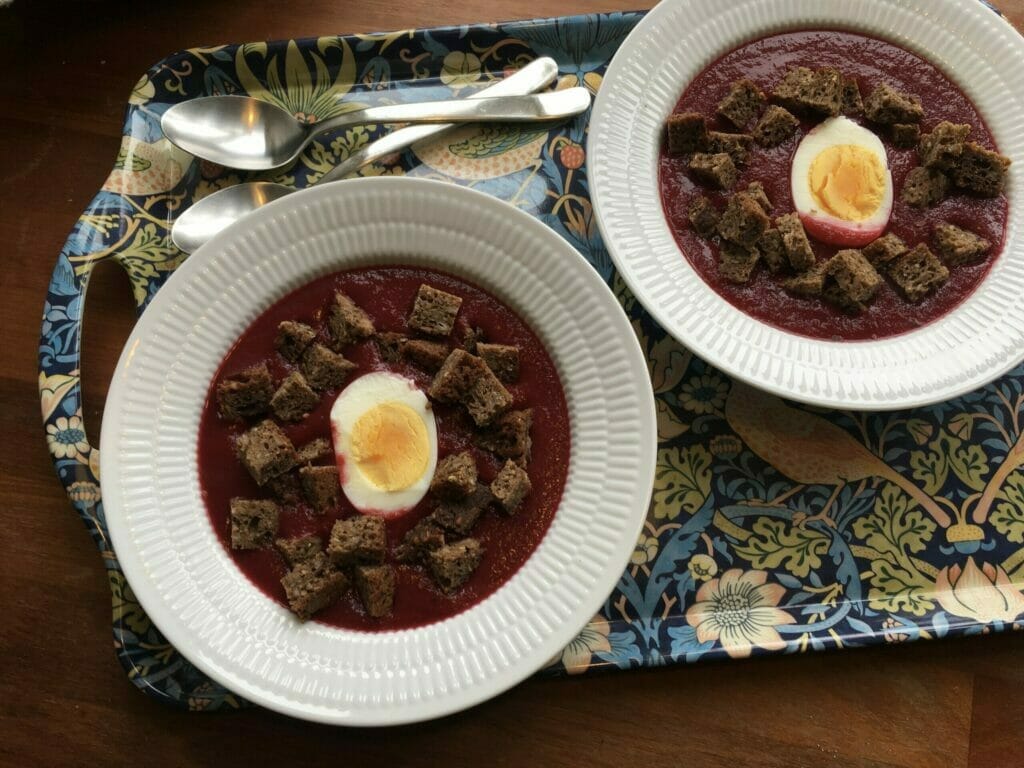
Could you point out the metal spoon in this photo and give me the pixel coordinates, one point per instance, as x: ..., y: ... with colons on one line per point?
x: 253, y: 135
x: 216, y: 212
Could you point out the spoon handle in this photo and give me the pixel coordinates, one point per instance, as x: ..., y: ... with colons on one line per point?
x: 534, y: 76
x: 508, y: 109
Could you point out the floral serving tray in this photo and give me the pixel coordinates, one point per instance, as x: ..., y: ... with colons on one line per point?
x: 773, y: 527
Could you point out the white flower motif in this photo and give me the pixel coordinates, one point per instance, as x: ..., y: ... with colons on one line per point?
x: 66, y: 438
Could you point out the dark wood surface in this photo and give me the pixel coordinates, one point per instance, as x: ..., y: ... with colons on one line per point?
x: 65, y: 73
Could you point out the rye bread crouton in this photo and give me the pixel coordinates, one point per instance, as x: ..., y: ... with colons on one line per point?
x: 503, y: 359
x: 703, y: 217
x: 292, y: 339
x: 460, y: 515
x: 958, y: 246
x: 285, y: 488
x: 918, y: 272
x: 794, y: 240
x: 465, y: 378
x: 389, y: 346
x: 455, y: 476
x: 299, y: 549
x: 508, y: 436
x: 981, y: 170
x: 811, y: 92
x: 942, y: 147
x: 359, y: 539
x: 905, y: 135
x: 294, y: 398
x: 325, y: 369
x: 510, y: 486
x: 347, y: 322
x: 852, y: 104
x: 428, y: 355
x: 471, y: 337
x: 312, y: 585
x: 742, y: 104
x: 687, y: 132
x: 316, y: 451
x: 885, y: 106
x: 713, y: 171
x: 320, y: 487
x: 807, y: 285
x: 376, y: 587
x: 245, y: 395
x: 423, y: 537
x: 266, y: 452
x: 743, y: 221
x: 253, y: 523
x: 773, y: 251
x: 924, y: 187
x: 775, y: 126
x: 850, y: 280
x: 736, y: 263
x: 756, y: 190
x: 884, y: 249
x: 434, y: 311
x: 794, y: 85
x: 735, y: 145
x: 453, y: 564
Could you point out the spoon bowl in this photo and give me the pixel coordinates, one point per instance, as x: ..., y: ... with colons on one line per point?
x: 232, y: 203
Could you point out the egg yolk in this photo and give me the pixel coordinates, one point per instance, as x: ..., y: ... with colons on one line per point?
x: 848, y: 182
x: 390, y: 446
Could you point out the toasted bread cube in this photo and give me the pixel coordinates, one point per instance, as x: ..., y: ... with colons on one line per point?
x: 294, y: 399
x: 735, y: 145
x: 455, y: 476
x: 293, y: 339
x: 325, y: 369
x: 245, y: 395
x: 756, y: 190
x: 852, y: 102
x: 486, y: 398
x: 703, y: 217
x: 958, y: 246
x: 816, y: 92
x: 884, y: 249
x: 299, y: 549
x: 266, y: 452
x: 905, y: 135
x: 743, y: 221
x: 687, y: 132
x: 423, y: 537
x: 460, y: 515
x: 434, y: 311
x: 794, y: 239
x: 885, y: 106
x: 389, y: 345
x: 775, y: 126
x: 981, y: 170
x: 285, y: 488
x: 850, y: 280
x: 320, y: 487
x: 792, y: 90
x: 502, y: 359
x: 508, y: 436
x: 453, y: 564
x: 511, y: 486
x: 428, y: 355
x: 736, y: 263
x: 359, y: 539
x: 807, y: 285
x: 918, y: 272
x: 715, y: 171
x: 742, y: 104
x: 316, y: 451
x: 941, y: 149
x: 924, y: 187
x: 347, y: 323
x: 465, y: 378
x: 773, y: 250
x: 253, y: 523
x: 312, y: 585
x: 376, y: 587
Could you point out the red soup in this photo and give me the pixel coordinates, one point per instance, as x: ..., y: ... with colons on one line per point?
x: 387, y: 294
x: 872, y: 62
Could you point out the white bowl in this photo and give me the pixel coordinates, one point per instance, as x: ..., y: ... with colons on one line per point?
x: 975, y: 343
x: 190, y: 586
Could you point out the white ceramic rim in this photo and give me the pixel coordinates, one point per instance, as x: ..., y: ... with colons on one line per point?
x: 189, y: 585
x: 972, y: 345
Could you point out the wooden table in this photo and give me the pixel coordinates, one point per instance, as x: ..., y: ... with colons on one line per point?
x: 63, y: 697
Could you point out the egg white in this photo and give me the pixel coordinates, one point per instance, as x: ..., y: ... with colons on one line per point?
x: 821, y: 224
x: 357, y: 398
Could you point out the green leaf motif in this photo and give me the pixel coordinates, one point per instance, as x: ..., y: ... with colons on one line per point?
x: 771, y: 545
x: 970, y: 464
x: 896, y: 589
x: 682, y: 481
x: 893, y: 527
x: 1008, y: 517
x: 494, y: 140
x: 929, y: 468
x: 149, y: 254
x: 136, y: 164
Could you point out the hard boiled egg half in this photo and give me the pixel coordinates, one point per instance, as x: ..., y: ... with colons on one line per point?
x: 842, y: 187
x: 385, y: 443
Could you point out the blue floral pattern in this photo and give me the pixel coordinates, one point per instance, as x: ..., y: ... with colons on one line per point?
x: 840, y: 530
